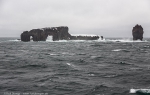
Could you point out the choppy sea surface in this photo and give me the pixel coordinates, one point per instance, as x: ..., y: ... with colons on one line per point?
x: 111, y: 66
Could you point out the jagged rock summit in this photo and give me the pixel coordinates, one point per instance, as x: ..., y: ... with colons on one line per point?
x: 57, y: 33
x: 137, y: 32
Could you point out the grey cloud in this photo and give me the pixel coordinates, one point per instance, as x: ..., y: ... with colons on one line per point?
x: 103, y: 17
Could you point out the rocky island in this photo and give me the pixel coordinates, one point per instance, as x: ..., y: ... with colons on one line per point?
x: 57, y: 33
x: 137, y: 32
x: 61, y: 33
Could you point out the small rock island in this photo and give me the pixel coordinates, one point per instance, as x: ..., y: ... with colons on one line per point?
x: 57, y: 33
x: 137, y: 32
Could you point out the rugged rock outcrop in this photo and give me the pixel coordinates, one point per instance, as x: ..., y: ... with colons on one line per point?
x: 84, y: 37
x: 57, y: 33
x: 137, y: 32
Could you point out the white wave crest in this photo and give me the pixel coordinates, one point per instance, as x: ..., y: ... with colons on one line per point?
x: 49, y: 39
x: 122, y: 40
x: 144, y: 91
x: 119, y: 40
x: 84, y: 35
x: 118, y: 49
x: 16, y: 40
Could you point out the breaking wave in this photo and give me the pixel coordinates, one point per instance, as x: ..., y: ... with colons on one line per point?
x: 49, y: 39
x: 121, y: 40
x: 100, y: 40
x: 125, y: 50
x: 84, y: 35
x: 114, y: 40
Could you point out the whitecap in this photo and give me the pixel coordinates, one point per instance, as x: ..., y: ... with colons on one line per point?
x: 111, y: 76
x: 118, y: 49
x: 92, y: 35
x: 52, y: 54
x: 42, y: 84
x: 68, y: 64
x: 91, y: 74
x: 72, y: 66
x: 144, y: 91
x: 67, y: 53
x: 121, y: 40
x: 146, y: 46
x: 49, y: 38
x: 93, y: 57
x: 56, y: 41
x: 16, y: 40
x: 125, y: 50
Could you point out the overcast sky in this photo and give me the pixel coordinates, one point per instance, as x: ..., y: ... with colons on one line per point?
x: 110, y: 18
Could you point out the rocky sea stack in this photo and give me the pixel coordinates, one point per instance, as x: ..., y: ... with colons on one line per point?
x: 137, y: 32
x: 57, y: 33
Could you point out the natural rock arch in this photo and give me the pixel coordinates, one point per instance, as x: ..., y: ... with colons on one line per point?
x: 57, y: 33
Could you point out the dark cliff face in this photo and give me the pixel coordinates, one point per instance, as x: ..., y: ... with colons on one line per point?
x: 58, y: 33
x: 25, y: 36
x: 137, y: 32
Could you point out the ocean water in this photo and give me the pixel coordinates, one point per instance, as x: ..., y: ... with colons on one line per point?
x: 111, y: 66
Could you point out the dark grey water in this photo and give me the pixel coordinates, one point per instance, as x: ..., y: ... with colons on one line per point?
x: 109, y: 67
